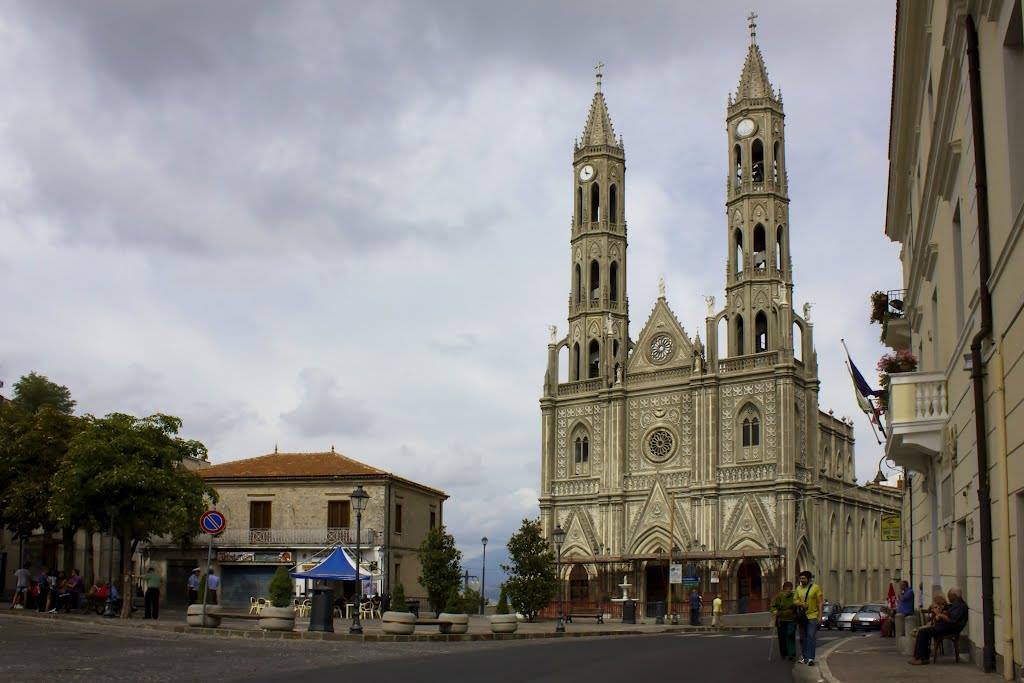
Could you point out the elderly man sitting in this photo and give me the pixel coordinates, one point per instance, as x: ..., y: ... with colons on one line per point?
x: 947, y: 620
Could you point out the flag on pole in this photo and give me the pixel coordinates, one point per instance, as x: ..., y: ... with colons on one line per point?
x: 864, y: 393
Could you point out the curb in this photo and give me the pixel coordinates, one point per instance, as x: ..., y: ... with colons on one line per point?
x: 804, y: 674
x: 256, y: 634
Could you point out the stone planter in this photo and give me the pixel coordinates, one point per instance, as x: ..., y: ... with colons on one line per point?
x: 459, y: 622
x: 277, y: 618
x: 504, y: 623
x: 398, y: 623
x: 194, y: 616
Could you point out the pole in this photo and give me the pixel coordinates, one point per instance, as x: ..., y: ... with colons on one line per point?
x: 206, y: 585
x: 560, y: 628
x: 483, y: 580
x: 356, y: 627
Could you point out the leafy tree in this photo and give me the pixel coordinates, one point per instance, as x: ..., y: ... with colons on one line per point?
x: 281, y: 588
x: 455, y: 604
x: 502, y: 607
x: 532, y: 581
x: 439, y: 567
x: 398, y: 600
x: 471, y: 600
x: 34, y: 391
x: 126, y: 473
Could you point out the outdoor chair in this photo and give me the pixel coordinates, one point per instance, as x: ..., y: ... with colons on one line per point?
x: 253, y: 606
x: 937, y: 646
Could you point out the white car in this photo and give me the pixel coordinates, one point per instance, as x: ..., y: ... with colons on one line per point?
x: 845, y: 617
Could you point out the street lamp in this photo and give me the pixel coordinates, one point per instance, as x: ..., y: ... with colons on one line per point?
x: 483, y: 576
x: 558, y: 538
x: 359, y: 499
x: 675, y: 554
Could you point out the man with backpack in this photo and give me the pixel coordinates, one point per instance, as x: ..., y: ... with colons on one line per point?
x: 808, y: 604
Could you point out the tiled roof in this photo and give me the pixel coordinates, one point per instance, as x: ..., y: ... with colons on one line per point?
x: 285, y: 465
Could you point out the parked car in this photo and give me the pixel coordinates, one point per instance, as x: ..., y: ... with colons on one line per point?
x: 868, y: 618
x: 846, y: 616
x: 829, y: 614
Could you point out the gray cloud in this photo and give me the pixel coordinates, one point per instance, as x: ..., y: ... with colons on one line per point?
x: 324, y: 410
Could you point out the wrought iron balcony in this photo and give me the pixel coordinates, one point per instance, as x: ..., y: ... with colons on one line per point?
x: 895, y: 322
x: 917, y: 415
x: 318, y: 538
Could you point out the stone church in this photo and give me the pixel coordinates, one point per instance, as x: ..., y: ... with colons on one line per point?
x: 710, y: 449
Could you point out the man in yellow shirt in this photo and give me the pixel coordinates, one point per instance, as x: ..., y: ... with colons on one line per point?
x: 716, y: 611
x: 809, y: 599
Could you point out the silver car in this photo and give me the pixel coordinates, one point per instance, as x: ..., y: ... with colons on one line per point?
x: 846, y: 617
x: 868, y: 618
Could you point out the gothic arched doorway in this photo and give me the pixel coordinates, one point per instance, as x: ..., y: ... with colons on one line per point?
x: 657, y: 582
x: 579, y: 584
x: 748, y: 586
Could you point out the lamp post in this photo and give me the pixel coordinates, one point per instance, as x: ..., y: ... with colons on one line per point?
x: 558, y: 538
x: 674, y: 556
x: 483, y: 576
x: 359, y: 499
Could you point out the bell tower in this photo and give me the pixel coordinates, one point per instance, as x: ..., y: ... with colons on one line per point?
x: 759, y: 277
x: 598, y: 307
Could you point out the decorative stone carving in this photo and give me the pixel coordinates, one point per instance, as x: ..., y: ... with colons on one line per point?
x: 762, y: 394
x: 742, y: 473
x: 807, y: 311
x: 575, y: 487
x: 553, y: 334
x: 661, y: 288
x: 710, y: 301
x: 670, y: 411
x: 588, y: 414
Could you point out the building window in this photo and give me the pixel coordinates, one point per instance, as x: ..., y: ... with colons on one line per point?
x: 398, y: 518
x: 259, y: 514
x: 339, y: 514
x: 594, y: 360
x: 398, y: 573
x: 433, y: 519
x: 749, y: 426
x: 581, y: 453
x: 751, y: 432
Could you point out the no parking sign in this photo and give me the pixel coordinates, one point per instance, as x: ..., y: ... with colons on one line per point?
x: 212, y: 522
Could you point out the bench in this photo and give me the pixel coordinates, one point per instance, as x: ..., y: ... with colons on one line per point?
x: 442, y: 626
x: 586, y: 614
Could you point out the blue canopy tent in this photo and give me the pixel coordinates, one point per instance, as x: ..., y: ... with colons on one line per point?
x: 337, y: 566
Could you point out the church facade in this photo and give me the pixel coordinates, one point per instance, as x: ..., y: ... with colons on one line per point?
x: 713, y: 454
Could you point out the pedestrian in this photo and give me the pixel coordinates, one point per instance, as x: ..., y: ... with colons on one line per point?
x: 152, y: 597
x: 23, y: 578
x: 76, y: 584
x: 784, y: 611
x: 212, y: 584
x: 716, y: 610
x: 43, y: 581
x: 193, y: 586
x: 695, y: 604
x: 808, y: 603
x: 905, y: 605
x: 949, y: 619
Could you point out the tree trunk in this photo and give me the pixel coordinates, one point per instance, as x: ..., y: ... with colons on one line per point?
x: 67, y: 537
x: 128, y: 594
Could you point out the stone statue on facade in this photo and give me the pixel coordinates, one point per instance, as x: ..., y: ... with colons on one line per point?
x: 710, y: 301
x: 661, y: 288
x: 553, y: 332
x: 807, y: 311
x: 698, y: 354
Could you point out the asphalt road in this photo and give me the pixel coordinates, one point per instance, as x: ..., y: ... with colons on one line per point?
x: 52, y: 650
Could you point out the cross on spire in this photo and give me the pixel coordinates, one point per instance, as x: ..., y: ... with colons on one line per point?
x: 598, y: 73
x: 752, y: 24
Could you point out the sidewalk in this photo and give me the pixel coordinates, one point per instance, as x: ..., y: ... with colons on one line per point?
x: 871, y: 659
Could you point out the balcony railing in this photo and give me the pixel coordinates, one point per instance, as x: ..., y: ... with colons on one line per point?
x: 917, y: 413
x: 895, y: 323
x: 320, y: 537
x: 748, y: 362
x: 582, y: 387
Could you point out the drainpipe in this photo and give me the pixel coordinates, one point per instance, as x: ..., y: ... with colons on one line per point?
x: 977, y: 369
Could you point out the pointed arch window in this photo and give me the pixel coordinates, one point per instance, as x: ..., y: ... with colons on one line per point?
x: 578, y: 284
x: 580, y: 451
x: 737, y: 238
x: 594, y: 359
x: 574, y: 363
x: 595, y: 203
x: 778, y: 249
x: 595, y: 280
x: 613, y: 204
x: 757, y: 161
x: 775, y: 162
x: 760, y: 248
x: 579, y: 206
x: 613, y: 281
x: 740, y: 346
x: 737, y: 165
x: 750, y: 433
x: 760, y: 332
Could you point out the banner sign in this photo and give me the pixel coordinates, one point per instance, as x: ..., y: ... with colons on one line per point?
x: 891, y: 527
x: 269, y: 557
x: 714, y: 576
x: 675, y: 573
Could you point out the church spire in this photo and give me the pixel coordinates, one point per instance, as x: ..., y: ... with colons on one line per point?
x: 754, y: 81
x: 598, y: 130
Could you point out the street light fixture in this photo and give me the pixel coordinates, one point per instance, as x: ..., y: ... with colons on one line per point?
x: 558, y: 538
x: 675, y: 554
x: 358, y: 499
x: 483, y: 576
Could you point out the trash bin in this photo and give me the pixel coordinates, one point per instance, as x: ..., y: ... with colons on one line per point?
x: 321, y: 614
x: 659, y: 612
x: 629, y: 612
x: 413, y: 606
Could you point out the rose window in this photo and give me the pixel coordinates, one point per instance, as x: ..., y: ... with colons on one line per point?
x: 661, y: 348
x: 660, y: 444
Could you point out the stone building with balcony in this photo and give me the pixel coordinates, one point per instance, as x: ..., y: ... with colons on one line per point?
x: 956, y: 206
x: 711, y: 452
x: 287, y: 508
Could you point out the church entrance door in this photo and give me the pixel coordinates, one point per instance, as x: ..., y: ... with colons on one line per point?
x: 748, y: 580
x: 657, y: 585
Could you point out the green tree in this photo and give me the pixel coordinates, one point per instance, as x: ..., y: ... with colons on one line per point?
x: 127, y: 473
x: 281, y: 588
x: 532, y: 581
x: 36, y: 428
x: 398, y: 600
x: 439, y: 567
x: 34, y: 391
x: 502, y: 607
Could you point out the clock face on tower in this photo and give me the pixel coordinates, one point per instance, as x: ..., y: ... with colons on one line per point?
x: 745, y: 128
x: 586, y: 173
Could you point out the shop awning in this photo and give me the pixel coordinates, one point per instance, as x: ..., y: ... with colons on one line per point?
x: 337, y: 566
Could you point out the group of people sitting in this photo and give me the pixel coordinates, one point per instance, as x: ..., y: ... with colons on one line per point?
x: 947, y: 616
x: 51, y: 592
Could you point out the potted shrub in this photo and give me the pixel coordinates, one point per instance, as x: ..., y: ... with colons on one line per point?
x: 398, y: 620
x: 891, y: 364
x: 280, y: 616
x: 455, y: 613
x: 879, y: 305
x: 502, y: 621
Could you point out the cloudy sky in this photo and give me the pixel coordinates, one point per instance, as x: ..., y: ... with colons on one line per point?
x: 317, y: 223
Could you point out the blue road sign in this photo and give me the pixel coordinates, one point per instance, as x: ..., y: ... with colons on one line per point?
x: 212, y: 522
